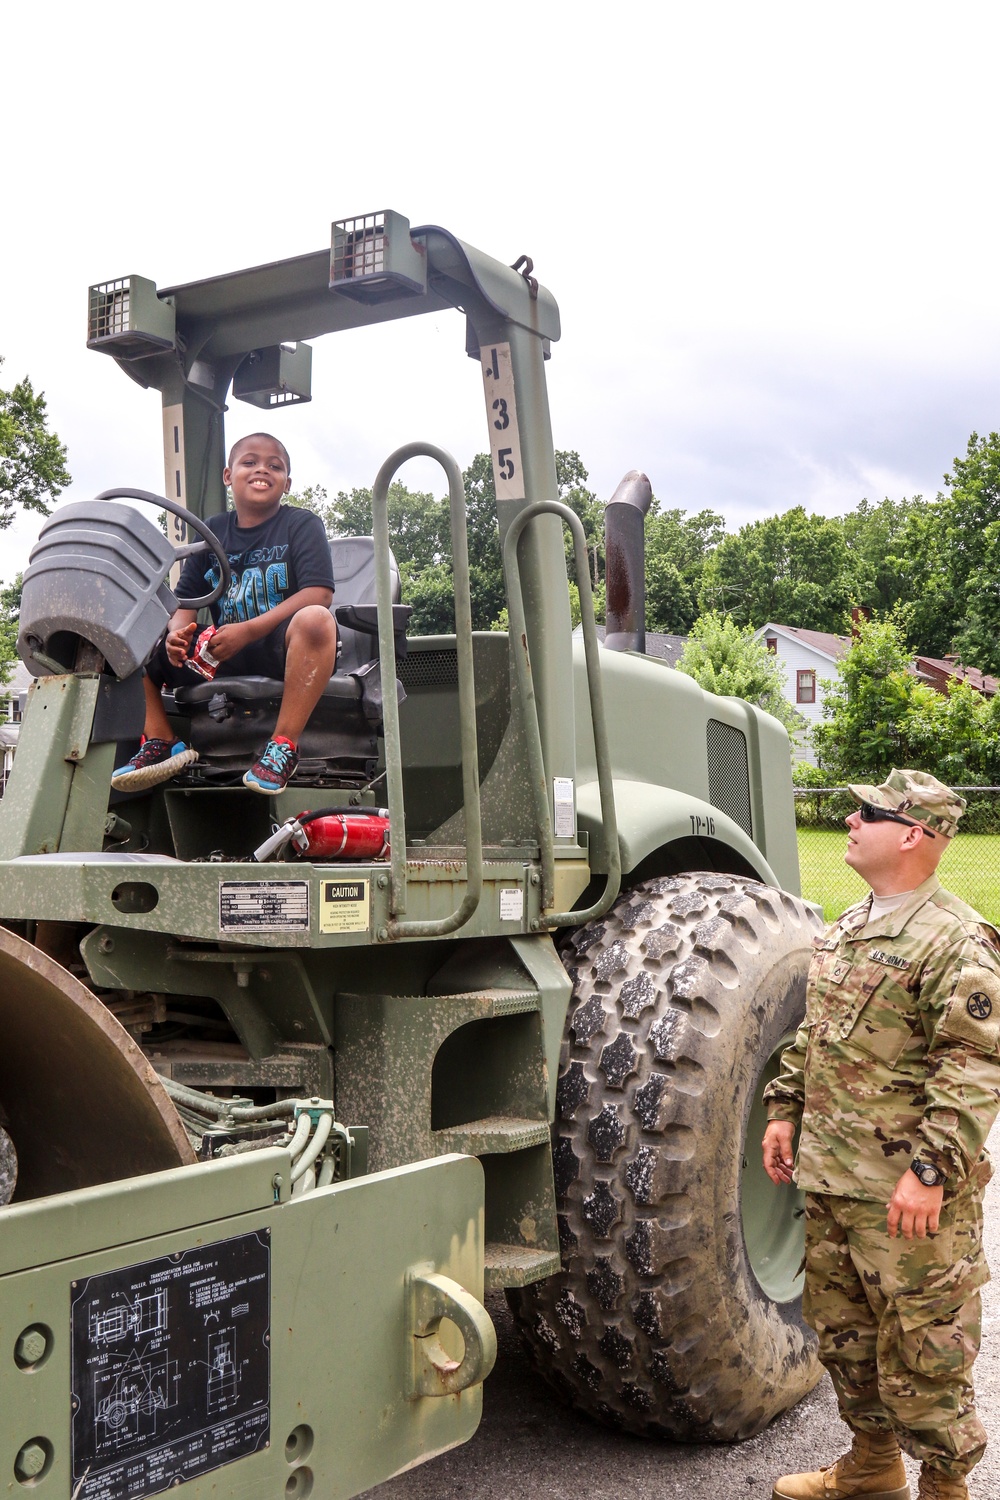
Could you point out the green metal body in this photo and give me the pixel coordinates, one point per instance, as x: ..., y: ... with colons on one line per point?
x: 349, y: 1313
x: 532, y: 777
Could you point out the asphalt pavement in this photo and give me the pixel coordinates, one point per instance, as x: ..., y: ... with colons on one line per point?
x: 530, y: 1444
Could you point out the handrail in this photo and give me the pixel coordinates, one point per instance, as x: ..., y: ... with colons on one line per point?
x: 466, y: 696
x: 533, y: 738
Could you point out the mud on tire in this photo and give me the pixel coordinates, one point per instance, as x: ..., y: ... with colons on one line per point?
x: 659, y: 1323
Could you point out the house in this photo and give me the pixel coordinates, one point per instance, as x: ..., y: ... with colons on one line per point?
x: 11, y: 699
x: 806, y: 658
x: 667, y: 648
x: 943, y: 672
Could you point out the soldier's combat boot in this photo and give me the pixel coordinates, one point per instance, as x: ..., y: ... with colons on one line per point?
x: 934, y: 1485
x: 873, y: 1470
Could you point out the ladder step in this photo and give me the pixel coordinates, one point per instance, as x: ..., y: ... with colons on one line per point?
x: 516, y: 1265
x: 494, y: 1135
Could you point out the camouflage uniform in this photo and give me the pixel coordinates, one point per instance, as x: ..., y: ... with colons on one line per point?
x: 897, y: 1057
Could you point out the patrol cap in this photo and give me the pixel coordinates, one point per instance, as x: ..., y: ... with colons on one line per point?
x: 918, y: 796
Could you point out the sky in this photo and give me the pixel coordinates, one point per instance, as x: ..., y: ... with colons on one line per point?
x: 771, y: 228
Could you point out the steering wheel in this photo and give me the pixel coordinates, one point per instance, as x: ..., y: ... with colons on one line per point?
x: 209, y: 543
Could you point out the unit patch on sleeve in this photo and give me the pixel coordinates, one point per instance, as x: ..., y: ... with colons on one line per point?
x: 973, y: 1013
x: 892, y: 959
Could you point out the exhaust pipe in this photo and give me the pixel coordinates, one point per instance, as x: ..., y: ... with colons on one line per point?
x: 625, y: 563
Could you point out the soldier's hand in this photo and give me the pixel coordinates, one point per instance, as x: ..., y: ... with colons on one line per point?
x: 913, y: 1208
x: 777, y: 1146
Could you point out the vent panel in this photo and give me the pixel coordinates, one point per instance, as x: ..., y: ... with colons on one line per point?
x: 428, y: 669
x: 729, y: 773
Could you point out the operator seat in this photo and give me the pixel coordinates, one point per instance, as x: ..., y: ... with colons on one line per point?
x: 232, y: 717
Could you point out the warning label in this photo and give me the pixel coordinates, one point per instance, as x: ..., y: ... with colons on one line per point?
x: 343, y: 906
x: 264, y: 905
x: 562, y: 798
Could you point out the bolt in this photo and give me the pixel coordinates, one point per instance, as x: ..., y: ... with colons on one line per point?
x: 383, y: 934
x: 382, y: 882
x: 30, y: 1461
x: 106, y: 944
x: 535, y: 924
x: 30, y: 1347
x: 535, y: 878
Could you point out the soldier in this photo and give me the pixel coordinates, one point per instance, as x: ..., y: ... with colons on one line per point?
x: 894, y: 1081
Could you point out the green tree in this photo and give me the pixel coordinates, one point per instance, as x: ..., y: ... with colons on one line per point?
x: 677, y: 548
x: 885, y: 544
x: 723, y: 657
x: 869, y: 709
x: 32, y: 460
x: 970, y: 513
x: 10, y: 608
x: 794, y: 569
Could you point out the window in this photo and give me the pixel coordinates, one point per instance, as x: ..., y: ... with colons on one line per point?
x: 805, y: 686
x: 771, y: 642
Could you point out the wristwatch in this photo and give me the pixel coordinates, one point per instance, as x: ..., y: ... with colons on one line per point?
x: 928, y: 1175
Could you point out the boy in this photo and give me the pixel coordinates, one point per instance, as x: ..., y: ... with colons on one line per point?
x: 274, y: 621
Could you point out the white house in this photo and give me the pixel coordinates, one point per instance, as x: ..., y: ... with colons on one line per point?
x: 10, y: 716
x: 806, y: 658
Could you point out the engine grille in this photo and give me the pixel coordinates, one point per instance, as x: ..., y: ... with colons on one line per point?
x: 729, y: 773
x: 428, y: 669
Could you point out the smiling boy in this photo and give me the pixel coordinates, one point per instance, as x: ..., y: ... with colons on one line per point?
x: 274, y: 620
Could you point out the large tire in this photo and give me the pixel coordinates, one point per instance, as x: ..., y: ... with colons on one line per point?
x: 677, y: 1313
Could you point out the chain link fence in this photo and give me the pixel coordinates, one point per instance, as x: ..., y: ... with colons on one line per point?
x: 970, y: 866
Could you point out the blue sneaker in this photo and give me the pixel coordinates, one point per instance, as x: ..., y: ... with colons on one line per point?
x: 153, y: 762
x: 271, y: 773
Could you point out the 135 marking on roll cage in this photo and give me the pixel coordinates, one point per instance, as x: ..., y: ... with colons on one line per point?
x: 501, y: 413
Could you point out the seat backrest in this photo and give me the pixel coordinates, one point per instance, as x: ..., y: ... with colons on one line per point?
x: 354, y: 577
x: 354, y: 570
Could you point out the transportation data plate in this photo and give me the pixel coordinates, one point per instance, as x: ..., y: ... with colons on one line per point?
x: 171, y: 1368
x: 264, y: 905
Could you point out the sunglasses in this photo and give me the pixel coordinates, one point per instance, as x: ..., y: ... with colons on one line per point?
x: 870, y: 814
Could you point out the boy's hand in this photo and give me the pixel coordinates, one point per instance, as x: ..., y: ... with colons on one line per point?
x: 229, y: 639
x: 178, y: 643
x: 777, y: 1147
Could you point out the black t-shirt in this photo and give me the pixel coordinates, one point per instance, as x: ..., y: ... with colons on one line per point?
x: 270, y: 562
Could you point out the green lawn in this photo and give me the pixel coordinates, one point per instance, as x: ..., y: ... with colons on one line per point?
x: 970, y: 868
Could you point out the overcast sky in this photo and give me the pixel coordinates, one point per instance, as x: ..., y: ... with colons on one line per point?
x: 771, y: 228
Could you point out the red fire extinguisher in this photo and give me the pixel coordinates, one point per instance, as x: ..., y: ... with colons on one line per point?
x: 332, y: 833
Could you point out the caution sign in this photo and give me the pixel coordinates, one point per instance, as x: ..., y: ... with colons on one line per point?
x: 343, y: 906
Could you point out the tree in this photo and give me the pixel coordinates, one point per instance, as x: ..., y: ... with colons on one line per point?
x: 968, y: 558
x: 10, y: 608
x: 32, y: 460
x: 868, y: 709
x: 723, y: 657
x: 677, y: 547
x: 884, y: 542
x: 793, y: 569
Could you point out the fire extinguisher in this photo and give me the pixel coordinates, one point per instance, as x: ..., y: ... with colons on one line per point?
x: 332, y: 833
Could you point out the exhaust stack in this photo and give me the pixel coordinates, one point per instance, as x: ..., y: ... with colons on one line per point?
x: 625, y: 563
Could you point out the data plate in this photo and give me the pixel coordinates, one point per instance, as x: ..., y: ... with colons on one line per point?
x: 171, y: 1368
x: 264, y: 905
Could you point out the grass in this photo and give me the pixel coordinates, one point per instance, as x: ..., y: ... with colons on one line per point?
x: 970, y: 868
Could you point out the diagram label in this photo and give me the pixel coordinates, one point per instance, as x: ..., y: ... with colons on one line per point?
x: 171, y: 1368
